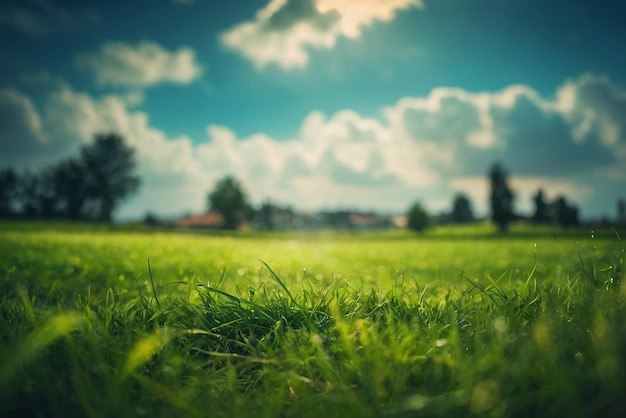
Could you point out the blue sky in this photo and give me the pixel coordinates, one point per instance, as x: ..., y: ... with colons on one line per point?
x: 325, y: 103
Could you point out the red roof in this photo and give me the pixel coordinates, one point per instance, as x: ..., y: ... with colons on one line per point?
x: 209, y: 220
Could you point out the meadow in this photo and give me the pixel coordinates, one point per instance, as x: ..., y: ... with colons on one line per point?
x: 101, y: 321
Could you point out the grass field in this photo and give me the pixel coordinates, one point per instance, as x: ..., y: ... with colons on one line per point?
x: 458, y: 322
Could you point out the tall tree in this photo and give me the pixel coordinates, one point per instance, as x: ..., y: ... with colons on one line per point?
x: 566, y: 215
x: 229, y: 199
x: 541, y: 207
x: 109, y: 173
x: 500, y: 198
x: 417, y: 218
x: 37, y: 194
x: 70, y: 189
x: 8, y: 191
x: 461, y: 209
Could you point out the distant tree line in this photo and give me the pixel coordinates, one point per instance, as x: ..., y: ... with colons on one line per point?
x: 230, y: 200
x: 89, y: 186
x: 559, y: 212
x: 501, y: 207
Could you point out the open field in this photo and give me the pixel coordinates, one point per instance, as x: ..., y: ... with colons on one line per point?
x: 457, y: 322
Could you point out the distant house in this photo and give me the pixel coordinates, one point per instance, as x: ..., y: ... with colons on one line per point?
x: 212, y: 220
x: 271, y: 217
x: 339, y: 219
x: 399, y: 221
x: 353, y: 220
x: 364, y: 221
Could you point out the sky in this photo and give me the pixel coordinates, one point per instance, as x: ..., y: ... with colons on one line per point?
x: 325, y: 104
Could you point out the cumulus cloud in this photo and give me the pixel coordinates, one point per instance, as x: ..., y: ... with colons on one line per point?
x: 596, y: 111
x: 539, y: 142
x: 426, y: 147
x: 334, y: 161
x: 420, y: 148
x: 76, y: 117
x: 141, y: 65
x: 21, y: 135
x: 530, y: 134
x: 283, y: 31
x: 69, y: 119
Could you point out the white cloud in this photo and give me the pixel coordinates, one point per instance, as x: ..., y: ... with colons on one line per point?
x: 358, y: 13
x: 344, y: 160
x: 172, y: 176
x: 596, y: 110
x: 421, y: 148
x: 284, y: 30
x: 21, y: 134
x: 141, y: 65
x: 79, y: 116
x: 26, y: 117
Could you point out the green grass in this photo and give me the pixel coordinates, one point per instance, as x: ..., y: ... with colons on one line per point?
x: 458, y: 322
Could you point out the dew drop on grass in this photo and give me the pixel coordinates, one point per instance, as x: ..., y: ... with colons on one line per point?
x: 486, y: 396
x: 500, y: 325
x: 317, y: 340
x: 580, y: 358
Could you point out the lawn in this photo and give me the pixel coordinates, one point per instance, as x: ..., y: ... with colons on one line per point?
x: 123, y: 321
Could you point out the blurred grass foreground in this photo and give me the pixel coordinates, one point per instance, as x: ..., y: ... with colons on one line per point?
x: 457, y: 322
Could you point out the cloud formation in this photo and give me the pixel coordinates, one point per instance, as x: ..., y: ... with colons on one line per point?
x: 141, y: 65
x: 283, y: 31
x: 422, y: 148
x: 21, y: 134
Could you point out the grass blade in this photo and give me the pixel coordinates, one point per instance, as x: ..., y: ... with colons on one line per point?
x: 280, y: 282
x: 24, y: 351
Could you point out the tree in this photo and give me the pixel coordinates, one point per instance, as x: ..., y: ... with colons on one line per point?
x: 230, y: 200
x: 501, y: 198
x: 566, y: 215
x: 417, y: 218
x: 37, y: 195
x: 109, y: 177
x: 70, y: 188
x: 541, y: 214
x: 461, y: 209
x: 8, y: 191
